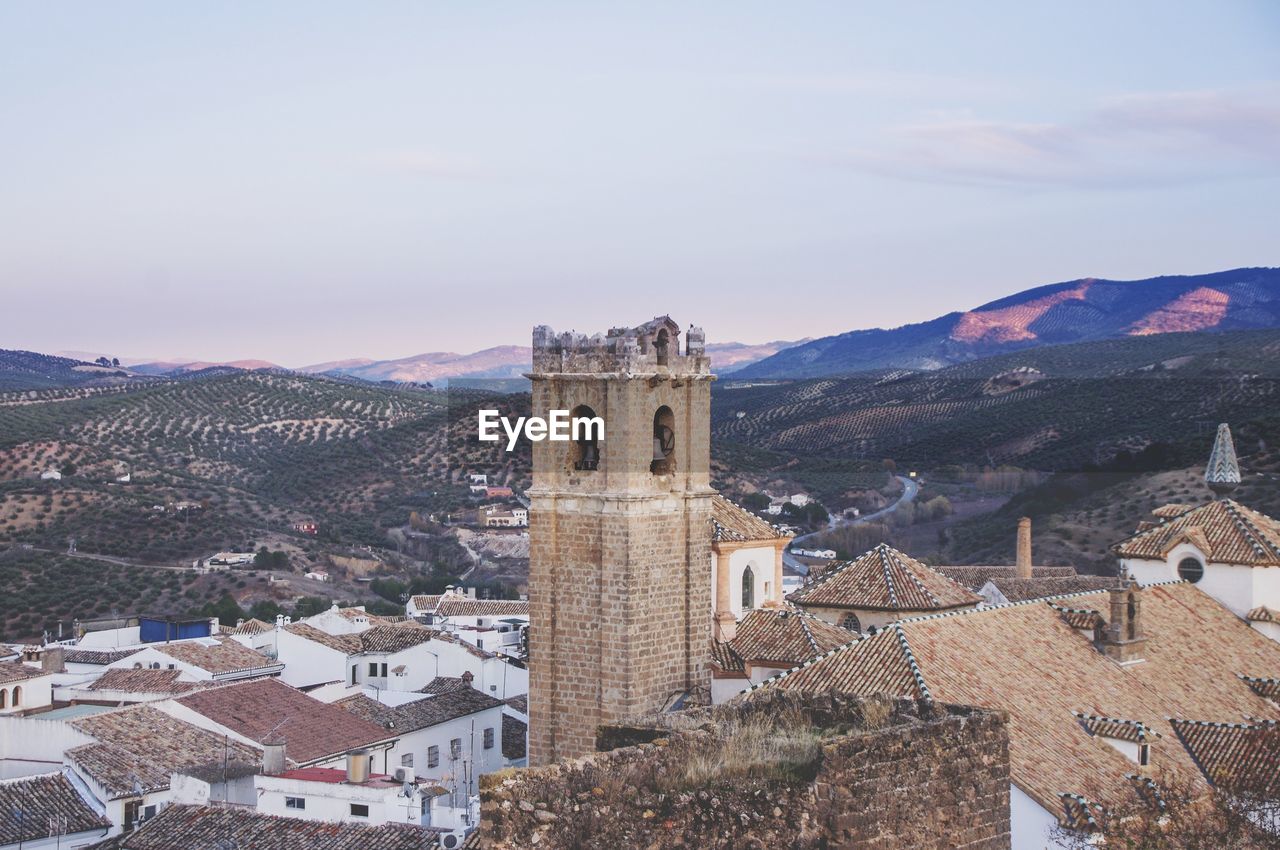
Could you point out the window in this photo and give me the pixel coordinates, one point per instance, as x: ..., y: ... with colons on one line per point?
x: 455, y: 748
x: 661, y: 347
x: 406, y: 760
x: 1190, y: 569
x: 384, y: 670
x: 433, y: 756
x: 488, y: 738
x: 295, y: 802
x: 664, y: 442
x: 353, y: 674
x: 586, y: 438
x: 17, y: 696
x: 4, y: 696
x: 748, y: 589
x: 359, y: 810
x: 1144, y: 754
x: 850, y: 622
x: 373, y: 668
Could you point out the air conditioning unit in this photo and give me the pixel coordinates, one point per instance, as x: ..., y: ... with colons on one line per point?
x: 453, y: 840
x: 404, y: 774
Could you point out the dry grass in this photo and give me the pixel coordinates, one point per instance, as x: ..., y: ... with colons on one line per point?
x: 785, y: 746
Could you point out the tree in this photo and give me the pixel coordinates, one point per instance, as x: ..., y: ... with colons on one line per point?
x: 755, y: 501
x: 115, y: 361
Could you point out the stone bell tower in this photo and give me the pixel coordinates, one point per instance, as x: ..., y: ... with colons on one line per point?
x: 619, y: 532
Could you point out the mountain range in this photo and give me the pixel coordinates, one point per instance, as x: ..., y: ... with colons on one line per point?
x: 1074, y: 311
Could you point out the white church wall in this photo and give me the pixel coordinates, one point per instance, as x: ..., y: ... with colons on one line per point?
x: 1030, y: 825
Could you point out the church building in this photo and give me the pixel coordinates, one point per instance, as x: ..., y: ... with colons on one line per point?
x: 1229, y: 551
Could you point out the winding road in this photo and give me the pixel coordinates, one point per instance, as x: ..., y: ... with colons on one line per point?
x: 910, y: 489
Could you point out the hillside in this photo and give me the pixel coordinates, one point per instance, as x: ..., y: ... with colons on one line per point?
x: 1054, y: 408
x: 1074, y: 311
x: 505, y: 362
x: 27, y: 370
x: 253, y: 451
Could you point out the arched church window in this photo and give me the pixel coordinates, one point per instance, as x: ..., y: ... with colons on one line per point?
x: 1190, y: 569
x: 850, y: 622
x: 4, y: 698
x: 1132, y: 613
x: 17, y: 696
x: 585, y: 445
x: 661, y: 347
x: 664, y: 441
x: 748, y: 589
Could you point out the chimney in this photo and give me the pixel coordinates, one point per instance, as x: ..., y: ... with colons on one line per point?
x: 1123, y: 638
x: 358, y: 767
x: 1023, y: 564
x: 468, y: 677
x: 273, y: 761
x: 52, y: 660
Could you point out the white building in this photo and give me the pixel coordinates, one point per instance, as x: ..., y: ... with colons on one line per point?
x: 1227, y: 550
x: 449, y: 738
x: 51, y: 474
x: 220, y: 659
x: 23, y: 689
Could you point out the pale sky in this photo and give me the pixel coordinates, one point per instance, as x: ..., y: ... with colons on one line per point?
x: 310, y: 181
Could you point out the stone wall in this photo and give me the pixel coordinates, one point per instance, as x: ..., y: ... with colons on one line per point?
x: 832, y: 772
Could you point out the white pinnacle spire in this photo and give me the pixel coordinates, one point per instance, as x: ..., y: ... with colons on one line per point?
x: 1223, y: 472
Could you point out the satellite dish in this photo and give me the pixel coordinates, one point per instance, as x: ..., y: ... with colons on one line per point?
x: 407, y: 790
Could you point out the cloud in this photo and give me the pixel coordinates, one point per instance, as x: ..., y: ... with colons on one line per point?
x: 1149, y: 139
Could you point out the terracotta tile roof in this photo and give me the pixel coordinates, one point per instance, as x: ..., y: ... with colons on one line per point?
x: 267, y: 708
x: 421, y: 713
x: 444, y: 684
x: 252, y: 626
x: 349, y: 644
x: 1171, y: 510
x: 1226, y: 531
x: 426, y: 602
x: 180, y: 827
x: 74, y: 655
x: 1263, y: 686
x: 1026, y: 659
x: 1133, y: 731
x: 515, y: 738
x: 222, y: 655
x: 1235, y: 755
x: 1078, y: 618
x: 885, y: 579
x: 975, y: 578
x: 782, y: 638
x: 394, y: 637
x: 43, y: 801
x: 730, y: 521
x: 14, y: 671
x: 520, y: 703
x: 143, y: 681
x: 461, y: 606
x: 873, y: 664
x: 355, y: 614
x: 144, y: 744
x: 1263, y: 614
x: 726, y: 659
x: 1022, y: 589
